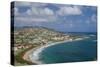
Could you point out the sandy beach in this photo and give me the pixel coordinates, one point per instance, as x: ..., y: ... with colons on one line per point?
x: 32, y: 54
x: 25, y: 57
x: 29, y: 52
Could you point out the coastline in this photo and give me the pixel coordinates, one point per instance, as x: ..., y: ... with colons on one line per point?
x: 25, y: 56
x: 32, y: 55
x: 27, y: 53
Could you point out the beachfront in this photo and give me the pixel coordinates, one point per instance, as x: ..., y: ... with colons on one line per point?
x: 37, y: 39
x: 33, y: 54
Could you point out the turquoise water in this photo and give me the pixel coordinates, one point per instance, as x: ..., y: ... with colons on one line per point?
x: 83, y: 50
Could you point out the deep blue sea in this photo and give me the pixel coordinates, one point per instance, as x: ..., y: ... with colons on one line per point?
x: 75, y: 51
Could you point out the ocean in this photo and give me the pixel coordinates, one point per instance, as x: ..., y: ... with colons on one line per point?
x: 75, y: 51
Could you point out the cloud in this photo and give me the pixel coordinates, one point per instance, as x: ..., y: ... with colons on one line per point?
x: 30, y: 19
x: 41, y: 11
x: 48, y: 11
x: 70, y: 10
x: 29, y: 12
x: 36, y: 19
x: 30, y: 4
x: 36, y: 13
x: 39, y: 4
x: 34, y: 9
x: 93, y: 18
x: 16, y: 11
x: 18, y: 4
x: 44, y: 13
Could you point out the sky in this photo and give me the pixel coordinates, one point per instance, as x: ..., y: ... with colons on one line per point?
x: 61, y: 17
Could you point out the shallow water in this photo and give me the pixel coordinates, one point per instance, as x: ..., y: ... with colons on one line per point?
x: 83, y: 50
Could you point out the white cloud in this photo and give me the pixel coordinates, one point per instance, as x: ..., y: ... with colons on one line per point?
x: 70, y: 10
x: 30, y: 19
x: 42, y: 11
x: 36, y: 13
x: 38, y: 4
x: 34, y: 8
x: 16, y: 11
x: 91, y: 19
x: 22, y: 4
x: 94, y: 18
x: 48, y: 11
x: 30, y: 4
x: 29, y: 12
x: 36, y: 19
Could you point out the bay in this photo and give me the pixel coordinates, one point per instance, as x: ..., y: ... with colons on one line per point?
x: 75, y: 51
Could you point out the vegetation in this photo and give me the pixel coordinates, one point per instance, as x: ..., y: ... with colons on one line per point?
x: 19, y: 56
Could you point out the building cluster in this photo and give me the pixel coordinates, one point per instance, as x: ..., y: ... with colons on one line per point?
x: 37, y: 37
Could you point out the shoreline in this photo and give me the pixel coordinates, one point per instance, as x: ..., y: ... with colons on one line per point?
x: 32, y: 55
x: 27, y: 53
x: 25, y: 56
